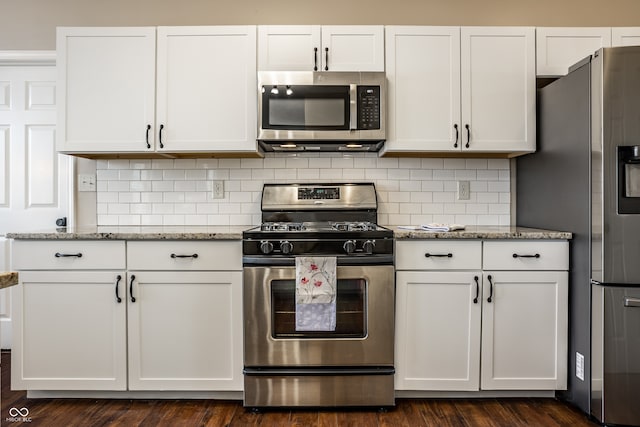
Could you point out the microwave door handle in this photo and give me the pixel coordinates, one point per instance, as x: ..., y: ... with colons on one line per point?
x: 353, y: 107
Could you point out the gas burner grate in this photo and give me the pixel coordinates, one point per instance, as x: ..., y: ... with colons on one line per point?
x: 282, y: 226
x: 353, y: 226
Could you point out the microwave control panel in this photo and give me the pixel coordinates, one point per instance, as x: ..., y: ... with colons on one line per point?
x: 368, y: 107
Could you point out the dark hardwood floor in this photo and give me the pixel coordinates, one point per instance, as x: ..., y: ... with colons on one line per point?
x: 175, y: 413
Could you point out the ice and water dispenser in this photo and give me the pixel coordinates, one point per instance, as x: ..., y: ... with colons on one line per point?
x: 629, y: 179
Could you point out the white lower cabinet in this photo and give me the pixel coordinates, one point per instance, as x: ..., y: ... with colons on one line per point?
x: 69, y: 329
x: 445, y: 355
x: 524, y: 330
x: 185, y: 331
x: 171, y: 322
x: 472, y: 316
x: 70, y: 333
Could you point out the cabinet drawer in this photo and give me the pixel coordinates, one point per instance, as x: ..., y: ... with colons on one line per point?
x: 438, y: 255
x: 526, y: 255
x: 68, y: 255
x: 184, y: 255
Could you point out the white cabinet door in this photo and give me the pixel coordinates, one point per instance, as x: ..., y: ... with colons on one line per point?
x: 289, y: 48
x: 498, y: 89
x: 321, y: 48
x: 423, y: 72
x: 438, y: 330
x: 352, y: 48
x: 524, y: 330
x: 558, y: 48
x: 206, y: 89
x: 625, y: 36
x: 185, y: 331
x: 70, y: 331
x: 106, y: 89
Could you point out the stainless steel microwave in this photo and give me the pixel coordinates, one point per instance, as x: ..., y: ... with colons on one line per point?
x: 321, y: 111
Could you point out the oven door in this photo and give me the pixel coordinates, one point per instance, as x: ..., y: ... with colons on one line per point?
x: 364, y: 331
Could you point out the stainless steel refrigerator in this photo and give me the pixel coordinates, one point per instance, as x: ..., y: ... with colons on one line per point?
x: 585, y: 178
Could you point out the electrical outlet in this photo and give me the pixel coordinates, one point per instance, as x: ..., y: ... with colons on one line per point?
x: 464, y: 190
x: 218, y: 190
x: 579, y: 366
x: 86, y: 182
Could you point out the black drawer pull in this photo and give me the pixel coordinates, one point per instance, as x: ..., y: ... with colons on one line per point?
x: 133, y: 299
x: 428, y: 255
x: 117, y: 284
x: 147, y: 136
x: 455, y: 126
x: 475, y: 300
x: 490, y: 289
x: 184, y: 256
x: 59, y: 255
x: 526, y: 256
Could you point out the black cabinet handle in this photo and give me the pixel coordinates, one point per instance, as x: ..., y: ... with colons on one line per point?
x: 315, y: 59
x: 428, y: 255
x: 475, y: 300
x: 59, y: 255
x: 326, y: 59
x: 118, y: 284
x: 490, y: 289
x: 468, y: 135
x: 457, y: 135
x: 526, y: 256
x: 160, y: 136
x: 184, y: 256
x: 147, y: 136
x: 133, y: 299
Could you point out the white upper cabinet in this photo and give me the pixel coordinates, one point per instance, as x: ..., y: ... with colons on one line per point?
x: 558, y: 48
x: 195, y: 95
x: 625, y: 36
x: 206, y: 89
x: 498, y: 89
x: 457, y: 90
x: 423, y: 73
x: 321, y: 48
x: 106, y: 89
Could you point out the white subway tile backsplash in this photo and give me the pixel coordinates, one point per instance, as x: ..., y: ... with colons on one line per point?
x: 411, y: 191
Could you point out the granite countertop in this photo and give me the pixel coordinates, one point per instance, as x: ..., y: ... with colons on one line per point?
x: 483, y: 232
x: 235, y: 233
x: 8, y: 279
x: 136, y: 233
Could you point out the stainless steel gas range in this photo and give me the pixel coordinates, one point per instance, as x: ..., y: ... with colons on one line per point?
x: 319, y: 298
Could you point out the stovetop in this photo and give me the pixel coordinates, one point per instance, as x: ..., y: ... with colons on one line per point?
x: 321, y: 226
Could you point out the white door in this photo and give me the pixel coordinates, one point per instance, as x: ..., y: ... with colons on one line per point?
x: 524, y: 330
x: 352, y: 48
x: 206, y: 90
x: 34, y: 182
x: 185, y: 330
x: 106, y: 90
x: 289, y: 48
x: 73, y: 331
x: 438, y: 330
x: 498, y: 72
x: 423, y: 73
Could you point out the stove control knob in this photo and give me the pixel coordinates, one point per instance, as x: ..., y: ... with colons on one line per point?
x: 266, y: 247
x: 368, y: 246
x: 286, y: 247
x: 349, y: 246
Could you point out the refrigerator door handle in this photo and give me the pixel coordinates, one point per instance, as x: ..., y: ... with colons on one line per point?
x: 631, y: 302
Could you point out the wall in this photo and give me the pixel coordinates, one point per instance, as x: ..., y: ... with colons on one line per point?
x: 410, y: 191
x: 30, y: 24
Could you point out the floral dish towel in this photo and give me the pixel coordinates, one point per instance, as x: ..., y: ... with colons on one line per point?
x: 316, y: 293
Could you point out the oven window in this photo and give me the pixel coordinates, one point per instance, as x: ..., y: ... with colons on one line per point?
x: 351, y: 311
